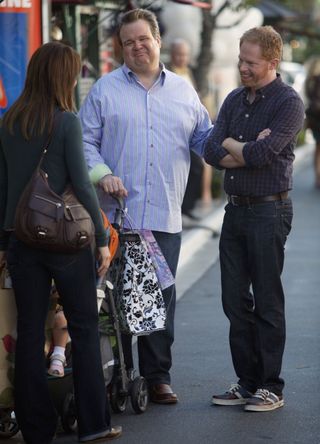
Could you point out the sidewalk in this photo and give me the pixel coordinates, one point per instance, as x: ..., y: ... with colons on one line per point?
x: 193, y: 239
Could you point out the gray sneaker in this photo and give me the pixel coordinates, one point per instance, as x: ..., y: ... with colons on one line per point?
x: 236, y: 395
x: 264, y: 401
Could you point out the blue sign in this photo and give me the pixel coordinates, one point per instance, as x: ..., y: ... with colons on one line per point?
x: 13, y: 57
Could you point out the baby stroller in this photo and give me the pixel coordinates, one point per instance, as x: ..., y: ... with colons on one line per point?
x: 119, y: 379
x: 120, y: 382
x: 136, y: 305
x: 123, y: 381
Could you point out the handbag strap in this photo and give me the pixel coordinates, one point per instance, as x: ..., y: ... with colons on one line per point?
x: 49, y: 139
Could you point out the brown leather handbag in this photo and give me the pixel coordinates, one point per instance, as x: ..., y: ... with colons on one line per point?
x: 51, y: 222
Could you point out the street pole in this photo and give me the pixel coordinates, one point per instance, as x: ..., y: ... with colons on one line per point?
x: 46, y: 22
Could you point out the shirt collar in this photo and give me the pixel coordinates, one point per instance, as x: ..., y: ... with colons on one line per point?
x: 130, y: 75
x: 265, y: 90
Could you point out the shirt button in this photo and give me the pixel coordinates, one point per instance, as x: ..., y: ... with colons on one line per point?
x: 231, y: 177
x: 151, y: 164
x: 151, y: 145
x: 240, y: 137
x: 246, y: 115
x: 150, y: 126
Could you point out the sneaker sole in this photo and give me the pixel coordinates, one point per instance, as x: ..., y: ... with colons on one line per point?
x: 263, y: 408
x: 215, y: 401
x: 55, y: 374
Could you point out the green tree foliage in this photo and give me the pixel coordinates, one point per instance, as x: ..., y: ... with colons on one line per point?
x: 304, y: 30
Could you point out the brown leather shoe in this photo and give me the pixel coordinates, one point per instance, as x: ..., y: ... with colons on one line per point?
x: 114, y: 433
x: 162, y: 394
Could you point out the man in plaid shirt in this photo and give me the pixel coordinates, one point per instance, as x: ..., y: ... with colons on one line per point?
x: 253, y: 140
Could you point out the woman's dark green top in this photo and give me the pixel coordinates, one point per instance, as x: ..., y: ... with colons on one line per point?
x: 64, y: 162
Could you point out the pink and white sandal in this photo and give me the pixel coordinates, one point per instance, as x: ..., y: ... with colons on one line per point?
x: 57, y: 364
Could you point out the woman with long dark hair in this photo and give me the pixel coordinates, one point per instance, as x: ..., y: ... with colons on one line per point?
x: 45, y: 106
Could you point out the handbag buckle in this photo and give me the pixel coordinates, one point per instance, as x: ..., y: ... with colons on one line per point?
x: 41, y: 232
x: 82, y: 237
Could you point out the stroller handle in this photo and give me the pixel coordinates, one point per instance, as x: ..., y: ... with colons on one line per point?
x: 120, y: 210
x: 120, y: 201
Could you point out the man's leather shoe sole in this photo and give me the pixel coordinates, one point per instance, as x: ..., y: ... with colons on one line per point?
x: 162, y: 394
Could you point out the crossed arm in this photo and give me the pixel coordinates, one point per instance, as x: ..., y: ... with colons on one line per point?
x: 235, y: 157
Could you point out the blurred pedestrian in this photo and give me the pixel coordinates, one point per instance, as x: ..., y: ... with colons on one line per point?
x: 179, y: 64
x: 139, y: 124
x: 180, y: 60
x: 200, y: 175
x: 312, y: 90
x: 253, y: 140
x: 46, y: 107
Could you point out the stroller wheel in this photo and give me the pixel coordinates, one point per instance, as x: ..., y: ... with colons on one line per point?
x: 68, y: 416
x: 118, y: 400
x: 8, y: 424
x: 139, y: 394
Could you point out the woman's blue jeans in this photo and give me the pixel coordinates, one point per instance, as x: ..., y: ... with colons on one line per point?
x: 32, y: 272
x: 252, y: 257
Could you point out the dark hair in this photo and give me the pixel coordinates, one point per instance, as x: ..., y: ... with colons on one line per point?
x: 267, y: 38
x: 51, y: 75
x: 140, y: 14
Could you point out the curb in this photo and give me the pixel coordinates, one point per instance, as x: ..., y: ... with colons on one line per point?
x: 195, y: 238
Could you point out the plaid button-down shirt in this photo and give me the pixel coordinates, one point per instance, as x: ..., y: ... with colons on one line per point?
x: 268, y: 168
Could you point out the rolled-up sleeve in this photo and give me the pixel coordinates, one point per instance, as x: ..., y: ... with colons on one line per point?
x: 285, y: 124
x: 202, y: 129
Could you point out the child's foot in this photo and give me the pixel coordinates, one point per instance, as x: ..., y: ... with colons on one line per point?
x: 57, y: 363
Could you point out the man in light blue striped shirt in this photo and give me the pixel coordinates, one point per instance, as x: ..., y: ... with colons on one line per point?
x: 139, y: 124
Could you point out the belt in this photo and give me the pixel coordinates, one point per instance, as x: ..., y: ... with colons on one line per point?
x: 252, y: 200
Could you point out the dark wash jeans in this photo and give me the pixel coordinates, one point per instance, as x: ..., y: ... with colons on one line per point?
x: 154, y: 350
x: 252, y: 257
x: 32, y: 272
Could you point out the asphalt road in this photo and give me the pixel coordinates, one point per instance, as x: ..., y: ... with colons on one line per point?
x: 202, y: 363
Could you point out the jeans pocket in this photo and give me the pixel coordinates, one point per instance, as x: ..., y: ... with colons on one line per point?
x: 286, y: 224
x: 286, y: 215
x: 264, y: 210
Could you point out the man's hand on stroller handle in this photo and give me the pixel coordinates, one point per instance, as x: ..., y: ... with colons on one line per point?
x: 113, y: 185
x: 104, y: 259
